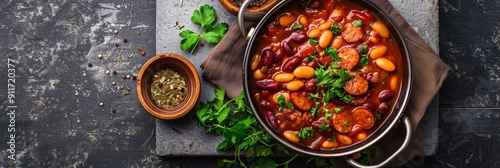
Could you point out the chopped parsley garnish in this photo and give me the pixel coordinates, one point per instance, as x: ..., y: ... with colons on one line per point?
x: 358, y: 23
x: 297, y: 26
x: 314, y: 110
x: 364, y: 59
x: 367, y: 154
x: 313, y: 41
x: 328, y: 115
x: 335, y: 28
x: 378, y: 117
x: 306, y: 132
x: 336, y: 109
x: 323, y: 128
x: 334, y: 82
x: 346, y: 123
x: 332, y: 52
x: 282, y: 103
x: 363, y: 49
x: 311, y: 58
x: 313, y: 96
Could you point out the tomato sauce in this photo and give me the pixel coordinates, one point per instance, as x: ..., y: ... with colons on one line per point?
x: 326, y: 75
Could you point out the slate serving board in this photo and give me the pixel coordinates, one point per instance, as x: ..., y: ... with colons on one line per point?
x: 184, y: 138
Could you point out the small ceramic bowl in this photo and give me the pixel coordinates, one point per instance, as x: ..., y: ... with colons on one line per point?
x: 176, y: 63
x: 234, y: 9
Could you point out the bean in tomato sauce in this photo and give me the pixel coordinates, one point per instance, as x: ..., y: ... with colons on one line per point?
x: 337, y: 65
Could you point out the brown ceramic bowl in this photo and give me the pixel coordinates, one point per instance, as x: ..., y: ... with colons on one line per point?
x: 234, y: 9
x: 184, y: 68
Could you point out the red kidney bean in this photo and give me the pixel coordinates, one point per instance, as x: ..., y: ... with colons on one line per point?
x: 313, y: 64
x: 369, y: 106
x: 267, y: 57
x: 310, y: 85
x: 383, y: 107
x: 369, y: 77
x: 299, y: 37
x: 267, y: 84
x: 291, y: 63
x: 355, y: 130
x: 271, y: 119
x: 364, y: 15
x: 287, y: 48
x: 278, y: 55
x: 385, y: 95
x: 266, y: 105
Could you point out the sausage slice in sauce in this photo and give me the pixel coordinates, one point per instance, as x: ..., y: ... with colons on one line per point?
x: 363, y: 117
x: 350, y: 58
x: 342, y: 122
x: 356, y: 86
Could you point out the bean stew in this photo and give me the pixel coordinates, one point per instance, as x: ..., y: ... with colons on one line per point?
x: 325, y: 74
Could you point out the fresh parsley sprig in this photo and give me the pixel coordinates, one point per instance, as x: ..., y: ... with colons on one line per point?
x: 204, y: 17
x: 239, y: 128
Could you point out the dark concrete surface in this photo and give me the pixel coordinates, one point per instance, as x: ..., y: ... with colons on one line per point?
x: 58, y: 121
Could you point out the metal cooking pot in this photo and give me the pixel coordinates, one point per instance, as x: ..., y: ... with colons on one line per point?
x: 388, y: 123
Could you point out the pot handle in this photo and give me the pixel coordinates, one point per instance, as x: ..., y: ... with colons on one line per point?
x: 407, y: 124
x: 241, y: 18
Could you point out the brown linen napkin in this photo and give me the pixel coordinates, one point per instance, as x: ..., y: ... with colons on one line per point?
x: 223, y: 67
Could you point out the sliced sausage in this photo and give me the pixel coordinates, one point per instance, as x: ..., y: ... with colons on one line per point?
x: 342, y: 122
x: 353, y: 34
x: 363, y: 117
x: 357, y: 85
x: 350, y: 58
x: 301, y: 101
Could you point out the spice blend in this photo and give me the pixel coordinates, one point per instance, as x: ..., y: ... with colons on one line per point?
x: 168, y: 88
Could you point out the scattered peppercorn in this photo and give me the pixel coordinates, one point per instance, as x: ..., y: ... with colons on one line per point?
x: 128, y: 89
x: 113, y: 110
x: 116, y: 31
x: 113, y: 83
x: 125, y: 40
x: 117, y: 44
x: 128, y: 76
x: 124, y: 77
x: 143, y: 53
x: 99, y: 56
x: 90, y: 64
x: 101, y: 104
x: 202, y: 43
x: 107, y: 72
x: 114, y: 72
x: 121, y: 86
x: 134, y: 77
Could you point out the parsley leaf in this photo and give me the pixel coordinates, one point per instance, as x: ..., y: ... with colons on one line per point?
x: 306, y: 132
x: 358, y: 23
x: 311, y: 58
x: 335, y: 28
x: 314, y: 110
x: 378, y: 117
x: 283, y: 103
x: 367, y: 154
x: 346, y: 123
x: 328, y: 115
x: 297, y: 26
x: 332, y: 52
x: 364, y: 59
x: 336, y: 109
x: 313, y: 41
x: 313, y: 96
x: 363, y: 49
x: 204, y: 17
x: 323, y: 128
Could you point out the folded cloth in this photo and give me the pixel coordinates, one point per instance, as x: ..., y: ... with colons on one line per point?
x: 223, y: 68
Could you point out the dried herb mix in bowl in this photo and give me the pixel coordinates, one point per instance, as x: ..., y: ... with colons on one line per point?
x: 168, y: 88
